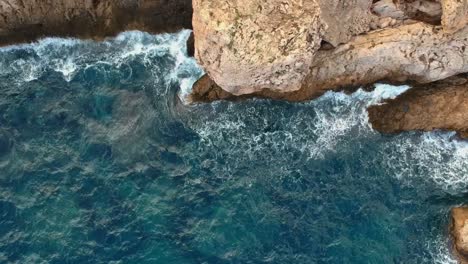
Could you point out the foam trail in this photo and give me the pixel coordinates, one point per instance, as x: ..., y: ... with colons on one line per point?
x: 323, y: 127
x: 70, y: 56
x: 440, y: 251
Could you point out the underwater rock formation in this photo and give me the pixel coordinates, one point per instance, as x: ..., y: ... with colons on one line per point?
x: 459, y: 230
x: 27, y: 20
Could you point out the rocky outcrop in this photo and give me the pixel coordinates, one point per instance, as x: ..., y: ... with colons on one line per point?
x: 27, y: 20
x: 455, y: 14
x: 345, y: 19
x: 459, y: 231
x: 415, y: 52
x: 442, y: 105
x: 395, y: 41
x: 246, y: 45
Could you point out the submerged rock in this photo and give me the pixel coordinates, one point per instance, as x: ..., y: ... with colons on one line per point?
x: 459, y: 231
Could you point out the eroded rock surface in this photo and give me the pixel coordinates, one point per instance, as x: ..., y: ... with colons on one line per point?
x: 415, y: 52
x: 247, y: 45
x: 27, y: 20
x: 459, y: 230
x: 396, y: 41
x: 455, y: 14
x: 345, y: 19
x: 442, y: 105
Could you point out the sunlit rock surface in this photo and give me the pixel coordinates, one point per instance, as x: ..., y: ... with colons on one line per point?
x: 442, y: 105
x: 247, y: 45
x: 459, y: 231
x: 422, y: 41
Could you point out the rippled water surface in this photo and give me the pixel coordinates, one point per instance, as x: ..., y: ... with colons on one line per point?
x: 101, y: 162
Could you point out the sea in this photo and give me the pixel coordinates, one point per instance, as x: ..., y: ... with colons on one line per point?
x: 104, y: 160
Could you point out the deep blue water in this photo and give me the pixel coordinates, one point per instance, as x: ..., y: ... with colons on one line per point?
x: 101, y: 162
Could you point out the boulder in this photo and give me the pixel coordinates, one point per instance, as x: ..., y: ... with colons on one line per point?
x: 248, y: 45
x: 459, y: 231
x: 442, y: 105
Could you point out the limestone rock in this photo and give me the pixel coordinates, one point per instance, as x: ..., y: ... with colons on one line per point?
x: 345, y: 19
x: 419, y: 52
x: 459, y: 230
x: 415, y: 52
x: 442, y: 105
x: 455, y: 14
x: 248, y: 45
x: 388, y: 8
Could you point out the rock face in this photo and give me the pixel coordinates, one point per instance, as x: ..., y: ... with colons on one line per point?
x: 442, y: 105
x: 345, y: 19
x: 27, y: 20
x: 247, y: 45
x: 361, y: 42
x: 459, y: 230
x: 455, y: 14
x: 415, y: 52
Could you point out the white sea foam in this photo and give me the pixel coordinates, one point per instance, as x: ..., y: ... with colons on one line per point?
x: 436, y: 156
x: 28, y: 71
x: 347, y: 113
x: 321, y: 126
x: 67, y: 67
x: 69, y: 56
x: 324, y: 126
x: 440, y: 251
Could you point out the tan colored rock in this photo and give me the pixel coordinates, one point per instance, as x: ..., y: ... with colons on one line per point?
x: 388, y: 8
x: 248, y: 45
x: 419, y: 52
x: 442, y: 105
x: 455, y: 14
x: 242, y: 44
x: 459, y: 230
x: 345, y: 19
x: 416, y: 52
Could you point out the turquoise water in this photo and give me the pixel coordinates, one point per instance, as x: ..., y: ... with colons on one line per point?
x: 101, y: 161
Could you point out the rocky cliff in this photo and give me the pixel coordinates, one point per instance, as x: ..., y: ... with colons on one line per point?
x: 282, y: 50
x: 27, y: 20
